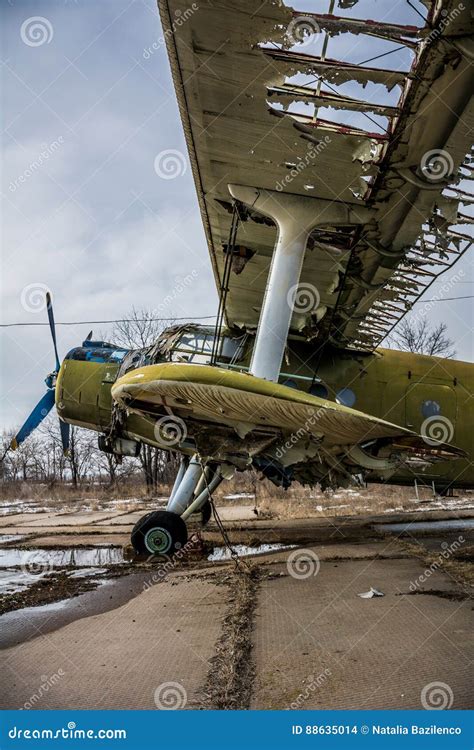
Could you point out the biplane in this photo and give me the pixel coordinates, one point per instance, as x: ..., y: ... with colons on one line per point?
x: 327, y: 215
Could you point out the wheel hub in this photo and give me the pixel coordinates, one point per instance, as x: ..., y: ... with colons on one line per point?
x: 158, y: 540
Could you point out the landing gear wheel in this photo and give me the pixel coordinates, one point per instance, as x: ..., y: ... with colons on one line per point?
x: 206, y: 512
x: 159, y: 533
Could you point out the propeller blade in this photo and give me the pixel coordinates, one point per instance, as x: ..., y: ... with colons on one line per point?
x: 49, y: 306
x: 65, y: 430
x: 41, y: 410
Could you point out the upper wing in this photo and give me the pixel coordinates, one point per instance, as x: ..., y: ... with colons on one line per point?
x: 258, y: 109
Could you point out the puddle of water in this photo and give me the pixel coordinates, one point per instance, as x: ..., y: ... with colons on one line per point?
x: 222, y: 553
x: 451, y: 524
x: 60, y: 558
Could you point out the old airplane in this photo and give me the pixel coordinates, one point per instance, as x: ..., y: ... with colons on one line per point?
x: 322, y: 235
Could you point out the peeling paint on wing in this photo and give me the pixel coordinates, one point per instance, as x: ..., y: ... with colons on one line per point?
x: 249, y: 116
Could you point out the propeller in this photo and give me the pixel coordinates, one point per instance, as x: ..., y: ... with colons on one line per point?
x: 46, y: 403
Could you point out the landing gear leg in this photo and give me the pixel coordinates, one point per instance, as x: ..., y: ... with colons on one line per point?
x: 164, y: 532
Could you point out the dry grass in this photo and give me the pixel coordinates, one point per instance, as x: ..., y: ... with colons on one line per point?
x: 299, y: 502
x: 231, y: 674
x: 243, y: 489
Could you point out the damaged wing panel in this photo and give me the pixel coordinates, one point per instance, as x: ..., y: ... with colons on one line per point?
x: 259, y: 108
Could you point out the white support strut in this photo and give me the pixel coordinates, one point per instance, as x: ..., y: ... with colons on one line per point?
x: 179, y: 476
x: 295, y: 216
x: 181, y: 497
x: 203, y: 496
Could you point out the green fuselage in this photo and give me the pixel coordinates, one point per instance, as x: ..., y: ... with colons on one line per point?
x: 403, y: 388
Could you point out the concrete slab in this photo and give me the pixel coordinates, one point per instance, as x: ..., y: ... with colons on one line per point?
x: 318, y: 645
x: 72, y: 519
x: 237, y: 513
x: 125, y: 519
x: 17, y: 519
x: 118, y: 659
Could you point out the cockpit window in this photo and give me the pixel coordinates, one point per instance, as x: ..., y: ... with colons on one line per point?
x: 196, y: 347
x: 185, y: 345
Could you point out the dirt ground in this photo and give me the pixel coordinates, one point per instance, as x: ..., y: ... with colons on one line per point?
x: 283, y: 629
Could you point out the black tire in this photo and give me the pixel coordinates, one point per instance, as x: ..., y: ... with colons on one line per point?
x: 206, y: 512
x: 159, y: 533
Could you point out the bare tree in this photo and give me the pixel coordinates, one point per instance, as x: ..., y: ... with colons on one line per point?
x: 141, y: 328
x: 423, y: 338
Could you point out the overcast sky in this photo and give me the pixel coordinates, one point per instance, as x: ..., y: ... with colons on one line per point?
x: 85, y: 211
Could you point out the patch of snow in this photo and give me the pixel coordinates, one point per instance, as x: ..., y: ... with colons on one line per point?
x: 240, y: 496
x: 223, y: 553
